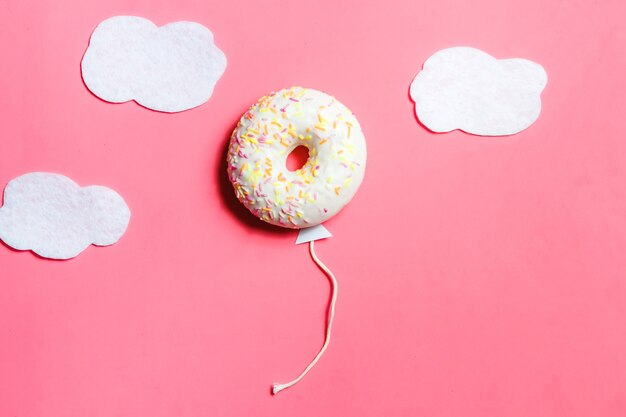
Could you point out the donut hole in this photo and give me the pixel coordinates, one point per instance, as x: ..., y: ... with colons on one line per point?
x: 297, y: 158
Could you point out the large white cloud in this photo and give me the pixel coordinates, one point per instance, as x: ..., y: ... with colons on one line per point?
x: 54, y: 217
x: 468, y: 89
x: 170, y: 69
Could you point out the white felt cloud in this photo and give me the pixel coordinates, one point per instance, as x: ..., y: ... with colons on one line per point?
x: 468, y: 89
x: 170, y: 69
x: 54, y: 217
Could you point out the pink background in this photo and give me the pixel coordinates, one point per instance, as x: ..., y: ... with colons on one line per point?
x: 478, y: 276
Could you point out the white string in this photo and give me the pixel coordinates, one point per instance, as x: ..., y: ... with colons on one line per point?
x: 276, y: 388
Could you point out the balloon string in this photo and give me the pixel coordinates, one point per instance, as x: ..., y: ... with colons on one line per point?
x: 276, y: 388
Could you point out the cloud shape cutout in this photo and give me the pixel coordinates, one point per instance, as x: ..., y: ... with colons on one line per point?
x: 56, y: 218
x: 169, y: 69
x: 468, y: 89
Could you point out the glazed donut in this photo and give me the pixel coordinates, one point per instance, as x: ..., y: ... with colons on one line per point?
x: 269, y: 131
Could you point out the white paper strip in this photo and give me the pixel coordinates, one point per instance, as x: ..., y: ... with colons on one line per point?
x: 312, y: 233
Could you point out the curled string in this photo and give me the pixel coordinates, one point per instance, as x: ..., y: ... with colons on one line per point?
x: 276, y: 388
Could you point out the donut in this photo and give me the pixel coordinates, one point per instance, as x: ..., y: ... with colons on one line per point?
x: 265, y: 136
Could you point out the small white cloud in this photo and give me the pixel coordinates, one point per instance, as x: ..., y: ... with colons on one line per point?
x: 54, y: 217
x: 468, y: 89
x: 169, y: 69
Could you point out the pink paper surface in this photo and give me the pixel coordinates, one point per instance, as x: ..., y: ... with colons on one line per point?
x: 477, y: 276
